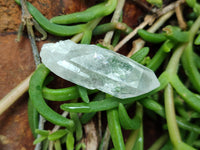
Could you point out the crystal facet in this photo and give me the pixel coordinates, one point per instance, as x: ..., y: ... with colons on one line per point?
x: 94, y: 67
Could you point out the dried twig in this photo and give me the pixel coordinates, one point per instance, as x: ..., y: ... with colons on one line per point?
x: 99, y: 126
x: 148, y: 20
x: 139, y: 43
x: 160, y: 21
x: 179, y: 15
x: 144, y: 5
x: 29, y: 22
x: 91, y: 139
x: 56, y: 128
x: 136, y: 45
x: 115, y: 18
x: 106, y: 139
x: 76, y: 38
x: 20, y: 89
x: 169, y: 7
x: 14, y: 95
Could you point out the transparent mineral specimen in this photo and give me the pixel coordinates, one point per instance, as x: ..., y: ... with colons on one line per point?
x: 94, y: 67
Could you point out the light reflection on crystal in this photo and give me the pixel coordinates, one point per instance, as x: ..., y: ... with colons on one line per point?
x: 94, y: 67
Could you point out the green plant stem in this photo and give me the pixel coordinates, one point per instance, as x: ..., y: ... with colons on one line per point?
x: 188, y: 58
x: 140, y: 55
x: 111, y: 102
x: 153, y: 105
x: 191, y: 138
x: 151, y: 37
x: 57, y: 145
x: 197, y: 143
x: 135, y: 139
x: 171, y: 121
x: 103, y: 28
x: 173, y: 64
x: 197, y: 60
x: 52, y: 28
x: 33, y: 118
x: 35, y: 92
x: 63, y: 94
x: 171, y: 117
x: 115, y: 18
x: 117, y: 33
x: 105, y: 140
x: 190, y: 66
x: 87, y: 34
x: 194, y: 28
x: 158, y: 109
x: 171, y: 71
x: 193, y: 100
x: 86, y: 117
x: 29, y: 22
x: 70, y: 141
x: 161, y: 54
x: 159, y: 143
x: 96, y: 11
x: 83, y: 94
x: 139, y: 144
x: 182, y: 112
x: 197, y: 40
x: 78, y: 125
x: 184, y: 146
x: 127, y: 122
x: 175, y: 34
x: 115, y: 129
x: 131, y: 139
x: 168, y: 146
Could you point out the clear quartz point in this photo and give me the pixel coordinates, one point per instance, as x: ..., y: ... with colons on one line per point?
x: 94, y: 67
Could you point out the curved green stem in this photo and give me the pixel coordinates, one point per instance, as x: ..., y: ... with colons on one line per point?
x: 63, y: 94
x: 194, y: 28
x: 33, y: 117
x: 125, y: 121
x: 171, y: 121
x: 158, y: 109
x: 160, y: 55
x: 115, y: 129
x: 35, y: 92
x: 159, y: 143
x: 190, y: 98
x: 193, y: 136
x: 96, y: 11
x: 190, y: 66
x: 103, y: 28
x: 173, y: 64
x: 171, y: 117
x: 52, y: 28
x: 135, y: 140
x: 188, y: 59
x: 87, y: 34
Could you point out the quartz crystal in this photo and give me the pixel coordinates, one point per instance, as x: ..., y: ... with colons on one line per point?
x: 94, y: 67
